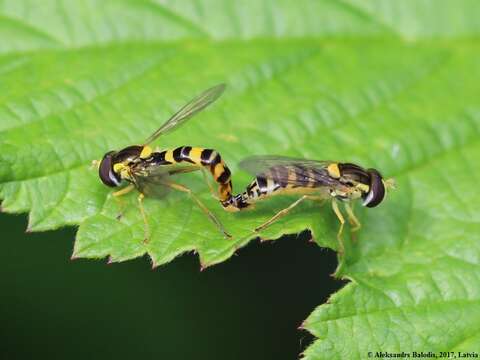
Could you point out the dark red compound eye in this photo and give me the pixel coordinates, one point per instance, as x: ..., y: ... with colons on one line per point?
x: 106, y: 173
x: 377, y: 189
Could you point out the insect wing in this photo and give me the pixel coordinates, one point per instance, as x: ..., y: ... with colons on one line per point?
x: 290, y: 171
x: 258, y: 164
x: 186, y: 112
x: 152, y: 184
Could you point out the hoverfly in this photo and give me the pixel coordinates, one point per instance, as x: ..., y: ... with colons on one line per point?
x: 149, y: 171
x: 315, y: 180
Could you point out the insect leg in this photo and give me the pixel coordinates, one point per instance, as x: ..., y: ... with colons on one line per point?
x: 337, y: 212
x: 146, y: 228
x: 117, y: 194
x: 352, y: 218
x: 210, y: 215
x: 124, y: 191
x: 280, y: 214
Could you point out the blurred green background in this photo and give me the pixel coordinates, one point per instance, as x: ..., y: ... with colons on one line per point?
x: 53, y: 307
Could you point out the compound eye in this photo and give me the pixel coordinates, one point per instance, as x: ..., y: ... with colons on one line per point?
x: 377, y: 189
x: 106, y: 173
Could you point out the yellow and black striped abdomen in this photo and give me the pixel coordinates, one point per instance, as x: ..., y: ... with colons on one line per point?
x: 207, y: 158
x: 262, y: 186
x: 277, y: 180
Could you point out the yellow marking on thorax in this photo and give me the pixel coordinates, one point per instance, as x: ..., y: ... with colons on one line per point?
x: 333, y: 170
x: 146, y: 152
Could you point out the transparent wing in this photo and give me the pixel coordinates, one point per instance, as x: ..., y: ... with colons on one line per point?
x: 152, y: 186
x: 191, y: 108
x: 153, y: 183
x: 259, y: 164
x: 287, y: 170
x: 171, y: 169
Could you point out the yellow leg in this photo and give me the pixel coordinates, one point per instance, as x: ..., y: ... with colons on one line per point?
x: 117, y: 194
x: 337, y: 212
x: 206, y: 178
x: 210, y: 215
x: 95, y: 164
x: 146, y: 228
x: 352, y: 218
x: 280, y: 214
x: 124, y: 191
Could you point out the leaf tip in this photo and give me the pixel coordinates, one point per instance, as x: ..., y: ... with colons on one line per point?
x: 203, y: 266
x: 110, y: 260
x: 235, y: 250
x: 28, y: 230
x: 302, y: 325
x: 340, y: 268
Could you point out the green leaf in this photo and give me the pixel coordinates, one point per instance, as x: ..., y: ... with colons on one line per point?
x: 390, y: 85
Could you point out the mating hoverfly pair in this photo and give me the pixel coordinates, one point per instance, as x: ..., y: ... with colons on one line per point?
x: 150, y: 172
